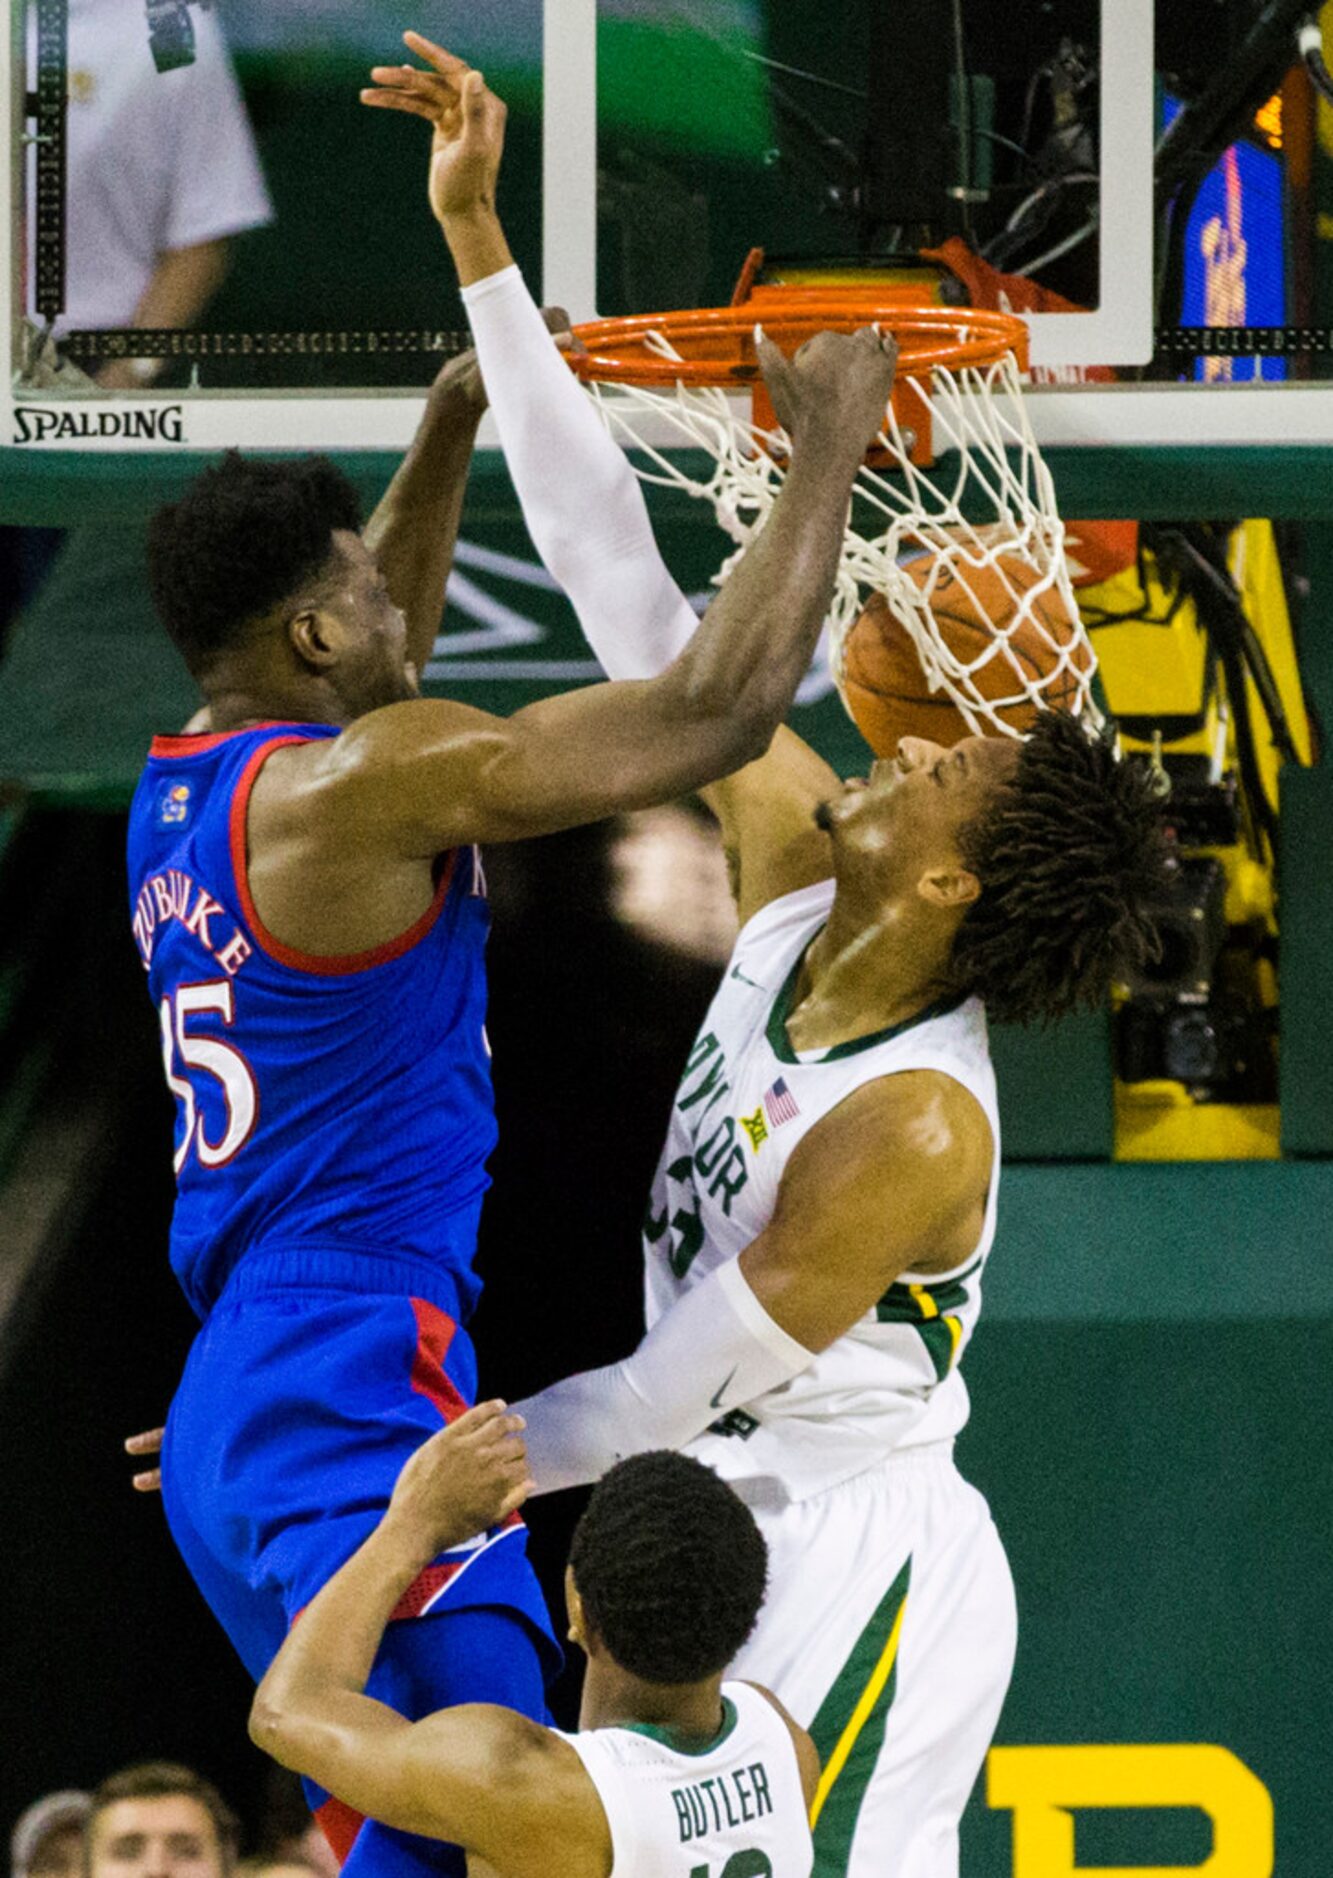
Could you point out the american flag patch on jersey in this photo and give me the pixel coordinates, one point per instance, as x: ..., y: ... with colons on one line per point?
x: 780, y: 1104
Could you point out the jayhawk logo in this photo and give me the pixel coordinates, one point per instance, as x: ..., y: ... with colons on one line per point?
x: 173, y: 808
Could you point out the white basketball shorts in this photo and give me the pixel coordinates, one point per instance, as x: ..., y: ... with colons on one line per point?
x: 889, y: 1632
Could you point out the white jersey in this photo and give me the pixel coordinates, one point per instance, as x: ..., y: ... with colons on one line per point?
x: 735, y: 1804
x: 745, y: 1101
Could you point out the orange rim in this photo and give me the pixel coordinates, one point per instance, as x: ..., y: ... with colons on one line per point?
x: 716, y: 344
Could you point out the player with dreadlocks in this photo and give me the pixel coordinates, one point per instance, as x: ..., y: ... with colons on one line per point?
x: 829, y: 1183
x: 825, y: 1202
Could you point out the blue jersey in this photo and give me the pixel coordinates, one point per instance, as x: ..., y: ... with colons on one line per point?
x: 333, y: 1115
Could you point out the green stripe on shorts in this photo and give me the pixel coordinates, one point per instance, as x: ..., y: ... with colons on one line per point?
x: 848, y: 1731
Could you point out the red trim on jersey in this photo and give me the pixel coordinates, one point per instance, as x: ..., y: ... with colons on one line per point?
x: 425, y: 1586
x: 330, y: 965
x: 340, y: 1824
x: 435, y: 1332
x: 192, y: 742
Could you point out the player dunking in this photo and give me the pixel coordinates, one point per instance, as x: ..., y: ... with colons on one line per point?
x: 676, y: 1772
x: 309, y: 909
x: 825, y: 1202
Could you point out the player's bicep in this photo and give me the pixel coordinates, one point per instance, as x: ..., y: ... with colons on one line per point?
x: 470, y: 1775
x: 886, y: 1182
x: 426, y: 774
x: 767, y: 815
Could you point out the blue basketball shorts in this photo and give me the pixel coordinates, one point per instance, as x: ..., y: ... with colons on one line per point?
x: 296, y: 1411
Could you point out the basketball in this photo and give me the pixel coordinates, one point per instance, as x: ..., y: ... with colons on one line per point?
x: 886, y: 691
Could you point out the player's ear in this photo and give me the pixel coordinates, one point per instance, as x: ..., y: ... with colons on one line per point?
x: 314, y: 636
x: 578, y: 1623
x: 948, y: 887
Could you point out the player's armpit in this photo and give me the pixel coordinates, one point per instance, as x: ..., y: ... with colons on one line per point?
x: 767, y: 815
x: 426, y: 775
x: 892, y: 1180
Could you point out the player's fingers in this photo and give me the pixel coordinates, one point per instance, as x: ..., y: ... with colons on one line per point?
x: 149, y: 1482
x: 478, y: 1420
x: 149, y: 1442
x: 515, y: 1498
x: 773, y: 361
x: 427, y: 49
x: 877, y: 336
x: 399, y: 101
x: 438, y: 92
x: 474, y: 100
x: 497, y: 1442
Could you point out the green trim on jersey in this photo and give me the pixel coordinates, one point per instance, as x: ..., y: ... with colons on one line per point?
x: 848, y: 1732
x: 777, y: 1022
x: 681, y: 1743
x: 929, y: 1309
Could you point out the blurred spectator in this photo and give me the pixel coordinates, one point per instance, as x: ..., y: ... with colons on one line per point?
x: 160, y: 1820
x: 162, y: 168
x: 47, y: 1842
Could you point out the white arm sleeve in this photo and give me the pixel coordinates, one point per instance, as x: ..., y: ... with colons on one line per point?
x: 714, y: 1350
x: 581, y: 500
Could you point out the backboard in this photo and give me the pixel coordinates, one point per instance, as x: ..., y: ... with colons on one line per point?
x: 1165, y: 176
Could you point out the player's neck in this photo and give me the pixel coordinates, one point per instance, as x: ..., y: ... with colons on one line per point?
x: 613, y: 1698
x: 868, y: 971
x: 237, y: 704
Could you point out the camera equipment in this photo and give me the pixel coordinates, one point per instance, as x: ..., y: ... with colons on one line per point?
x: 1196, y: 1013
x: 171, y: 32
x: 1190, y: 922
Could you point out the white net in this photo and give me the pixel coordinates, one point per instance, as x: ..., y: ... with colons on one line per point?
x: 968, y: 555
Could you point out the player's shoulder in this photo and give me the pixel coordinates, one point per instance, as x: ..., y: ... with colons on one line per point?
x: 807, y: 1756
x: 346, y: 786
x: 891, y: 1133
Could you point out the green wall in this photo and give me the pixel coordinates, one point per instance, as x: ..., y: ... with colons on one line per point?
x: 1151, y: 1382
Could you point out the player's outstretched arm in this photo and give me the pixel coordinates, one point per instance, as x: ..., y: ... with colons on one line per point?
x: 414, y: 529
x: 480, y: 1776
x: 893, y: 1180
x: 581, y: 501
x: 419, y: 777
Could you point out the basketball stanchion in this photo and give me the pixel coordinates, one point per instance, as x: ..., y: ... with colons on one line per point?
x: 952, y: 581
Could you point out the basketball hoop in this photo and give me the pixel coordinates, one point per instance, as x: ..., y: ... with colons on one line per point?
x: 955, y: 476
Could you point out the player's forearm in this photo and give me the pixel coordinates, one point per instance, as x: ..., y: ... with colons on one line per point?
x: 759, y: 635
x: 414, y: 530
x: 581, y: 501
x: 477, y: 242
x: 309, y: 1708
x: 716, y: 1349
x: 182, y: 284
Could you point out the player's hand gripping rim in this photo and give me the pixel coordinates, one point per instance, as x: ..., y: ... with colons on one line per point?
x: 833, y: 393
